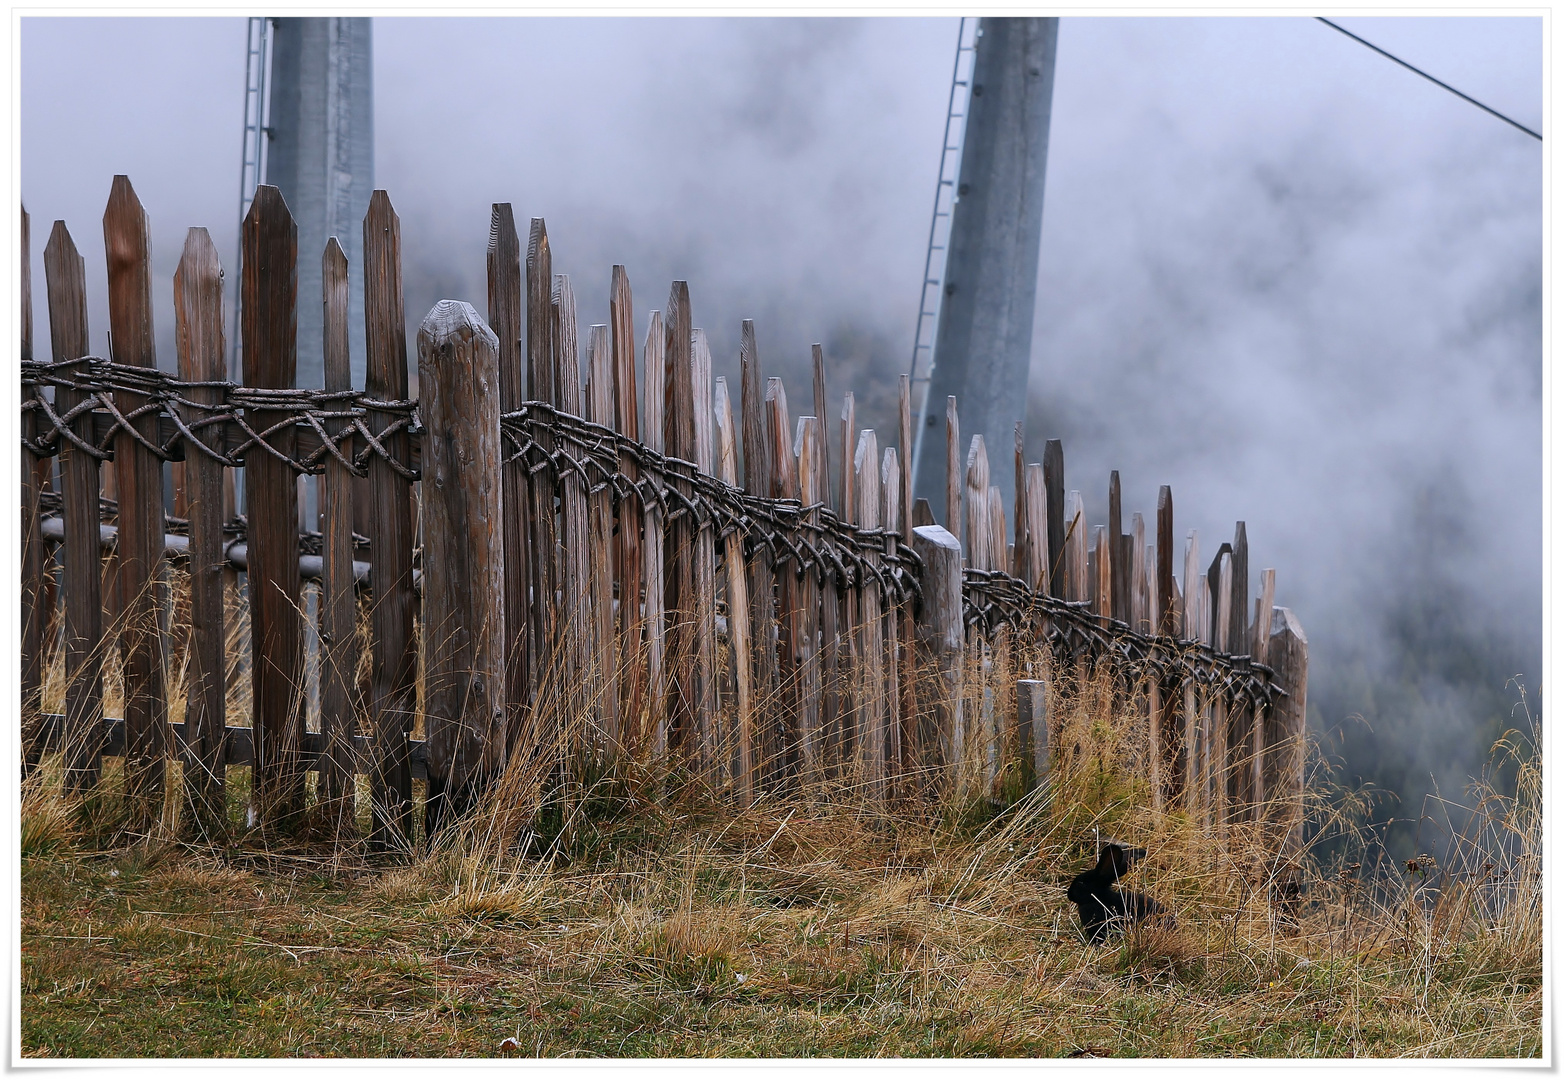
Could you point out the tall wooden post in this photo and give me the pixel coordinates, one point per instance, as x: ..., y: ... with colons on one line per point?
x: 505, y: 291
x: 463, y: 603
x: 817, y: 357
x: 600, y: 526
x: 339, y: 604
x: 831, y: 651
x: 1260, y: 649
x: 850, y: 725
x: 811, y: 470
x: 35, y: 471
x: 891, y: 519
x: 577, y: 689
x: 871, y: 633
x: 627, y: 421
x: 979, y: 520
x: 679, y: 439
x: 784, y: 485
x: 1221, y: 765
x: 270, y: 284
x: 1018, y: 567
x: 941, y: 643
x: 1190, y: 631
x: 1103, y: 549
x: 1039, y: 512
x: 542, y: 490
x: 393, y: 663
x: 1119, y: 571
x: 1077, y: 582
x: 1165, y: 621
x: 1288, y: 654
x: 762, y: 580
x: 738, y: 610
x: 66, y: 279
x: 139, y: 473
x: 198, y: 322
x: 655, y: 722
x: 1053, y: 481
x: 704, y: 691
x: 906, y: 632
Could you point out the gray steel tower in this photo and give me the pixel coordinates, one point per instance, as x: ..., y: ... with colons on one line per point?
x: 322, y: 157
x: 983, y: 344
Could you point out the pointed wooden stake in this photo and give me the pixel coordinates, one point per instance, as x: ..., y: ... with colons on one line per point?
x: 139, y: 475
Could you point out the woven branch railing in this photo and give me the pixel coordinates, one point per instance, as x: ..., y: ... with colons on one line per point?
x: 777, y: 527
x: 993, y: 599
x: 583, y: 534
x: 222, y: 432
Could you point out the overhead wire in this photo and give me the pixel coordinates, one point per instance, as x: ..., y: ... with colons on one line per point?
x: 1430, y: 78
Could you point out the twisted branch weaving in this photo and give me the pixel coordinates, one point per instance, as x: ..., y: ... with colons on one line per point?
x: 992, y: 599
x: 244, y: 419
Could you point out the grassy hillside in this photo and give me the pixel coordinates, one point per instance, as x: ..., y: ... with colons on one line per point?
x: 642, y: 921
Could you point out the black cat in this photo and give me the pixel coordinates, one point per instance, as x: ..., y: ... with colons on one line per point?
x: 1104, y: 907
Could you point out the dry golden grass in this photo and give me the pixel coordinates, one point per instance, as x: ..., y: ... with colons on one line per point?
x: 626, y: 916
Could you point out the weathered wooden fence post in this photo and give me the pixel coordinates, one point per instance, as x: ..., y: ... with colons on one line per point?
x: 600, y: 524
x: 577, y: 690
x: 35, y: 471
x: 704, y: 693
x: 655, y: 715
x: 784, y: 485
x: 1032, y: 730
x: 270, y: 317
x: 1289, y: 658
x: 139, y: 473
x: 66, y: 279
x: 1164, y: 620
x: 906, y: 635
x: 979, y: 520
x: 546, y: 648
x: 1260, y: 649
x: 762, y: 580
x: 1053, y: 484
x: 627, y: 421
x: 849, y: 728
x: 828, y: 733
x: 871, y: 628
x: 505, y: 289
x: 942, y: 645
x: 1078, y: 584
x: 463, y: 604
x: 811, y: 471
x: 1103, y: 550
x: 1118, y: 606
x: 1193, y: 778
x: 1020, y: 558
x: 891, y: 520
x: 1221, y: 771
x: 198, y: 321
x: 394, y: 665
x: 738, y: 610
x: 679, y: 437
x: 339, y: 603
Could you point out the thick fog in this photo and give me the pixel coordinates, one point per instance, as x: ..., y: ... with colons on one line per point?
x: 1287, y: 277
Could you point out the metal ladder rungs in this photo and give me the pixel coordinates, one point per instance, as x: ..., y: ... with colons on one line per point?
x: 955, y: 123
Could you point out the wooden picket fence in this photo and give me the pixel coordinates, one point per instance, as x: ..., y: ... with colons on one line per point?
x: 558, y: 562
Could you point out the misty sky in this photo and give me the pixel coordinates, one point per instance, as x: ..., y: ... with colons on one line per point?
x: 1292, y: 280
